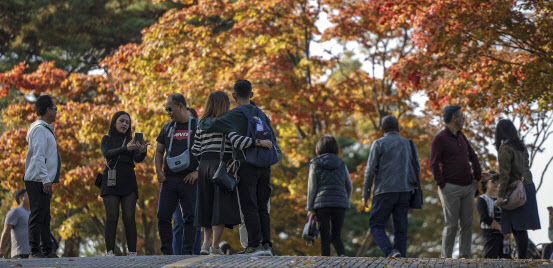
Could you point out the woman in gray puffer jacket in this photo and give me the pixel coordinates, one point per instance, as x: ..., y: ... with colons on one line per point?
x: 328, y: 194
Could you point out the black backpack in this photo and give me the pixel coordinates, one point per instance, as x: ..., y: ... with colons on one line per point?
x: 259, y: 130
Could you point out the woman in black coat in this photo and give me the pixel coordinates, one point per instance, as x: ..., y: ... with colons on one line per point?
x: 121, y: 152
x: 328, y: 194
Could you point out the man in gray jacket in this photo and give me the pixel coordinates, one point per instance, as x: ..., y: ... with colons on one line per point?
x: 390, y: 167
x: 42, y: 168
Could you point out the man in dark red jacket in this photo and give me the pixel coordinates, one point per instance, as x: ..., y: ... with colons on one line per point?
x: 452, y: 159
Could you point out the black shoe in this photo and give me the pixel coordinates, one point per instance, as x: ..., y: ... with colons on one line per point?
x: 51, y: 255
x: 37, y: 256
x: 253, y: 251
x: 394, y: 254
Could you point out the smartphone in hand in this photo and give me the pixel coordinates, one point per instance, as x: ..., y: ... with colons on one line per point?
x: 139, y: 137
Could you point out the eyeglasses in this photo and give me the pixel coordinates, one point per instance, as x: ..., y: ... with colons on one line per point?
x: 54, y: 108
x: 168, y: 109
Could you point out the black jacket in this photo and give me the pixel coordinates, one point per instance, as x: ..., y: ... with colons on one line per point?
x: 329, y: 184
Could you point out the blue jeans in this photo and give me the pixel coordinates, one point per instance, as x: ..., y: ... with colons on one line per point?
x: 175, y: 191
x: 384, y: 205
x: 551, y: 256
x: 178, y: 229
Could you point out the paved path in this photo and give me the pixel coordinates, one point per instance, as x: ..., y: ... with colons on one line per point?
x: 281, y: 261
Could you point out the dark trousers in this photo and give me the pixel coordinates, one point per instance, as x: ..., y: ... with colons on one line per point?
x: 39, y: 219
x: 254, y: 189
x: 128, y: 207
x: 175, y: 191
x: 178, y: 230
x: 384, y: 205
x: 493, y: 245
x: 331, y: 221
x: 521, y: 238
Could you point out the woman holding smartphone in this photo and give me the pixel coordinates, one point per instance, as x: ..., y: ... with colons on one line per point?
x: 119, y: 187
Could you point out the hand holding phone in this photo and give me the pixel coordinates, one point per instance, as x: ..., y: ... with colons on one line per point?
x: 139, y: 138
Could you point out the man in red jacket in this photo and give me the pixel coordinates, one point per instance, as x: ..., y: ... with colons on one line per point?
x: 452, y: 159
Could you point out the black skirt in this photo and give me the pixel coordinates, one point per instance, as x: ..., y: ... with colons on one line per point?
x: 214, y: 206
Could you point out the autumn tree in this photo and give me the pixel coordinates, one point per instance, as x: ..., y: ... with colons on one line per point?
x: 77, y: 35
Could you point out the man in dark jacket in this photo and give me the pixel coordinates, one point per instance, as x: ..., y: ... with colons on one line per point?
x: 255, y: 182
x: 451, y: 159
x: 390, y: 167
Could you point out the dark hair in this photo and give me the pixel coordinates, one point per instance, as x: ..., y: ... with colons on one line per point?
x: 43, y: 103
x: 113, y: 131
x: 449, y: 111
x: 483, y: 184
x: 177, y: 98
x: 18, y: 194
x: 389, y: 123
x: 326, y: 145
x: 243, y: 88
x: 506, y: 130
x: 192, y: 111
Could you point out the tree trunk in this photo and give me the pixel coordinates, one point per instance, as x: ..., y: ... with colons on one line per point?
x: 367, y: 242
x: 149, y: 242
x: 72, y: 247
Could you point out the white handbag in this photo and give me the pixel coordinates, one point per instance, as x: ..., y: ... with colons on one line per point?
x: 182, y: 161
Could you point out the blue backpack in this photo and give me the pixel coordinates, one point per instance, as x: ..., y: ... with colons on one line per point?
x: 259, y: 130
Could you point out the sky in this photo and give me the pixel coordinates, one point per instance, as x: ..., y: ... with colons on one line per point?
x: 545, y: 194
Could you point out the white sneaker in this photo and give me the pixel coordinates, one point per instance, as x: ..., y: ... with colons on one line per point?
x: 205, y: 249
x: 267, y: 250
x: 132, y: 254
x: 110, y: 254
x: 215, y: 251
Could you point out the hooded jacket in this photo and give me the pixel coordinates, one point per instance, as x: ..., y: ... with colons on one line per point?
x: 329, y: 184
x: 41, y: 163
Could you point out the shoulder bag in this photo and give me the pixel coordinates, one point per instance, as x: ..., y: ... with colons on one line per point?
x: 182, y: 161
x: 221, y: 176
x: 517, y: 197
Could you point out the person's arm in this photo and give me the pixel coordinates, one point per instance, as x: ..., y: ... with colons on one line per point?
x: 505, y: 158
x: 349, y: 186
x: 4, y: 240
x: 239, y: 142
x: 311, y: 188
x: 198, y: 143
x: 473, y: 158
x: 138, y: 156
x: 372, y: 168
x: 551, y: 235
x: 158, y: 161
x: 482, y: 209
x: 107, y: 150
x: 223, y: 124
x: 435, y: 160
x: 38, y: 145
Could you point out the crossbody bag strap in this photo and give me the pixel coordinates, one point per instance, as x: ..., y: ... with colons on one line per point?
x: 413, y: 159
x: 173, y: 135
x: 115, y: 166
x: 523, y: 168
x: 222, y: 152
x: 172, y: 131
x: 189, y: 134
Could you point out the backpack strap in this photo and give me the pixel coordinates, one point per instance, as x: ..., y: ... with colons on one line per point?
x: 245, y: 111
